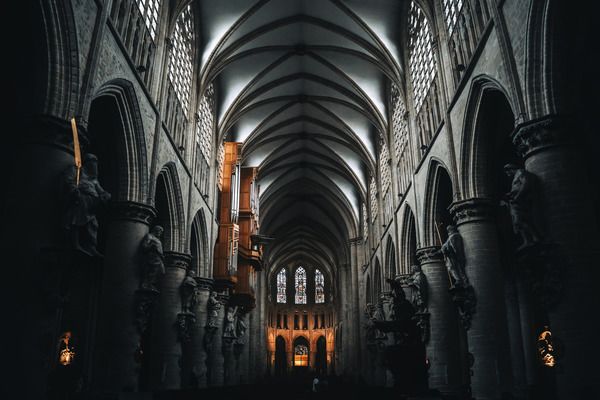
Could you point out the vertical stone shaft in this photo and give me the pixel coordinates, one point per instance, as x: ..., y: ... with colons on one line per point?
x: 547, y: 145
x: 487, y: 334
x: 167, y: 361
x: 215, y: 353
x: 197, y: 351
x: 119, y: 337
x: 443, y: 345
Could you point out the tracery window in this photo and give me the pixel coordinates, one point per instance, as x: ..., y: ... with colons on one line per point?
x: 319, y: 287
x: 301, y: 356
x: 300, y: 284
x: 180, y: 59
x: 149, y: 10
x: 373, y: 199
x: 452, y: 10
x: 281, y: 286
x: 420, y: 60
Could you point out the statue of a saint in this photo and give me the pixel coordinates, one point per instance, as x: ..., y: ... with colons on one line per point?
x: 84, y: 200
x: 230, y: 322
x: 240, y: 328
x: 417, y: 282
x: 188, y: 291
x: 454, y: 255
x: 520, y: 203
x: 152, y: 256
x: 213, y: 306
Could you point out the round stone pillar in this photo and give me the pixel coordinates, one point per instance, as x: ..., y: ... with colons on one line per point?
x: 568, y: 226
x: 167, y: 355
x: 443, y: 345
x: 195, y: 370
x: 119, y: 330
x: 487, y: 334
x: 214, y: 344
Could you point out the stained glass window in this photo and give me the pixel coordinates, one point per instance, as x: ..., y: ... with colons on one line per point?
x: 149, y: 10
x: 281, y: 282
x: 180, y: 59
x: 319, y: 287
x: 420, y: 60
x: 300, y: 284
x: 451, y: 11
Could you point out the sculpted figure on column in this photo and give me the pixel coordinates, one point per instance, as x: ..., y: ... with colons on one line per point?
x: 153, y: 258
x: 84, y: 199
x: 213, y: 306
x: 454, y: 255
x: 230, y: 322
x: 188, y: 291
x: 417, y: 282
x: 520, y: 203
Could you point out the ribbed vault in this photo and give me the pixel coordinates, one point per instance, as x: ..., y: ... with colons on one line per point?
x: 303, y: 84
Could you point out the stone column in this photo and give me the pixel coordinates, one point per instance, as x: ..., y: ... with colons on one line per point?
x: 121, y: 323
x: 443, y: 345
x: 197, y: 366
x: 548, y: 146
x: 166, y: 366
x: 216, y: 360
x: 487, y: 335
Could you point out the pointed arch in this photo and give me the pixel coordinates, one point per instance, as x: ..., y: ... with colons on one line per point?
x: 438, y: 197
x: 300, y: 282
x: 390, y: 259
x: 199, y: 245
x: 281, y: 285
x: 408, y: 240
x: 319, y: 287
x: 169, y: 203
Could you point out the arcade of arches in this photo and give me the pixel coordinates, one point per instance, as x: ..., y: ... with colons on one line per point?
x: 400, y: 195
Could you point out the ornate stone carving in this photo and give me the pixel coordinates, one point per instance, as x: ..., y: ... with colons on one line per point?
x: 84, y: 198
x: 472, y: 210
x: 132, y: 211
x: 213, y: 306
x: 185, y: 323
x: 374, y: 336
x: 416, y: 283
x: 144, y: 304
x: 153, y: 266
x: 464, y: 299
x: 429, y: 254
x: 189, y: 292
x: 205, y: 284
x: 520, y: 203
x: 534, y: 135
x: 229, y: 323
x: 174, y: 259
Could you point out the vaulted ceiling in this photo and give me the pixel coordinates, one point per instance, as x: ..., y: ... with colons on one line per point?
x: 304, y: 85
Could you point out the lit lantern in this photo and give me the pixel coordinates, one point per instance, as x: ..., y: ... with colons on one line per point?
x: 66, y: 354
x: 546, y: 348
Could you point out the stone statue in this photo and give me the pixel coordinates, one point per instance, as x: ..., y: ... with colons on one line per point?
x: 84, y: 200
x: 372, y: 315
x: 417, y: 282
x: 454, y: 255
x: 213, y: 307
x: 520, y: 203
x: 188, y: 291
x: 240, y: 329
x: 400, y: 307
x: 230, y: 322
x: 153, y: 258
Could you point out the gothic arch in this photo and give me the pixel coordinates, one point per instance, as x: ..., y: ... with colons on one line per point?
x: 438, y: 197
x: 172, y: 216
x: 377, y: 280
x: 131, y: 146
x: 391, y: 268
x: 473, y: 151
x: 199, y: 245
x: 408, y: 240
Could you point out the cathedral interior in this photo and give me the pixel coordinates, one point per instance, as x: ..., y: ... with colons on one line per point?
x: 301, y: 198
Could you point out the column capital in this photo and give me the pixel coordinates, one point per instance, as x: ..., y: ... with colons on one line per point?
x: 534, y: 135
x: 132, y: 211
x: 175, y: 259
x: 471, y: 210
x: 429, y: 254
x: 205, y: 283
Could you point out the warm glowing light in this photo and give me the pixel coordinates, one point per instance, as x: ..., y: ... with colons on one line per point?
x: 546, y: 348
x: 67, y: 354
x: 301, y: 356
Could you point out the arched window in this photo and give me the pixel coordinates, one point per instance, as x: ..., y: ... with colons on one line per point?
x: 451, y: 12
x: 149, y: 10
x: 281, y: 282
x: 180, y: 60
x: 300, y: 284
x: 420, y: 48
x: 319, y: 287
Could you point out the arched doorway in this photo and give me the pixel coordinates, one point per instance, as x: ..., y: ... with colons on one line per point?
x: 321, y: 356
x: 280, y: 357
